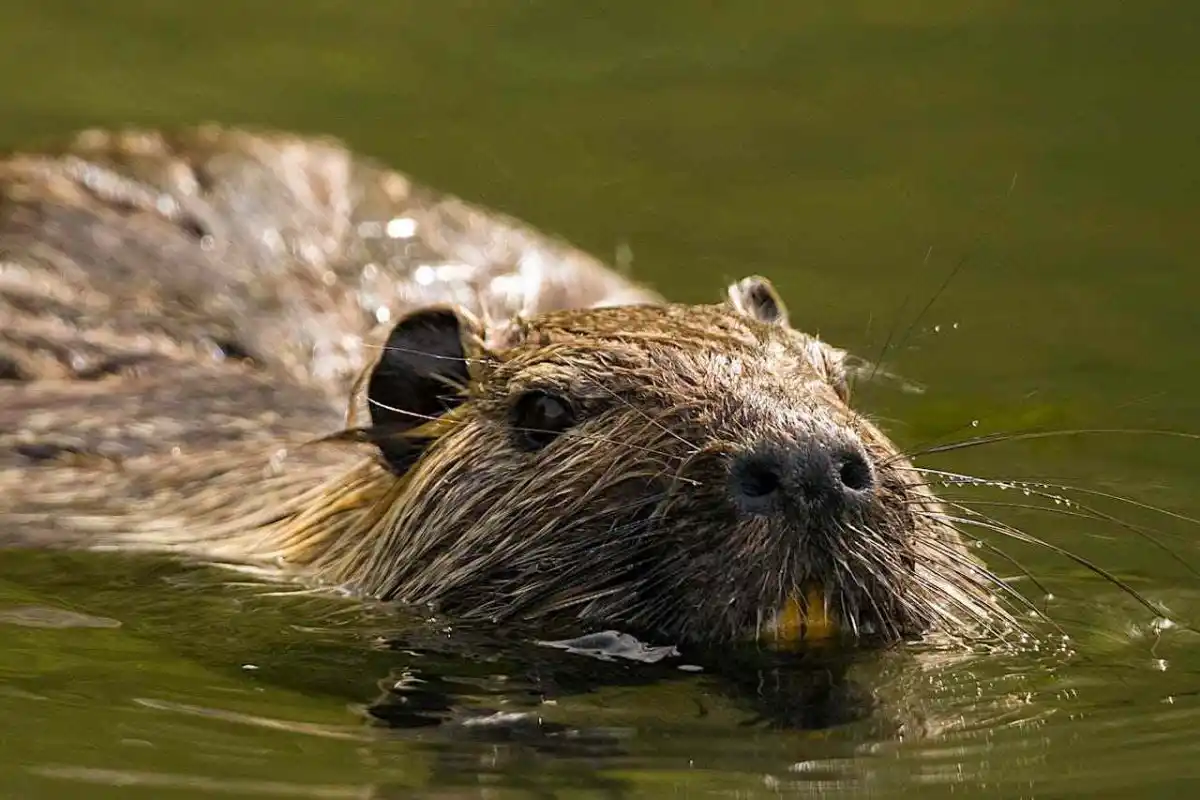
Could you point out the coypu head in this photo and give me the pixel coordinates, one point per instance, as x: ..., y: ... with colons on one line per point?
x: 692, y: 471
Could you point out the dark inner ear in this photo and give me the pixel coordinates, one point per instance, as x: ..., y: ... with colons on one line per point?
x: 422, y: 372
x: 756, y: 297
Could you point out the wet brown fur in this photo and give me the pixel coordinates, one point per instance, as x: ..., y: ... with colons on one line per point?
x: 183, y: 317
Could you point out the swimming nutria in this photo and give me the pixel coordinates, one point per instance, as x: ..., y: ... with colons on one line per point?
x: 184, y: 318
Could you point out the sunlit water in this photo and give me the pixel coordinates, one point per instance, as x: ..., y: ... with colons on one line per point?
x: 857, y: 153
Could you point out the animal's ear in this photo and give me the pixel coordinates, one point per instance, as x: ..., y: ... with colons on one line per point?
x: 423, y: 370
x: 756, y: 298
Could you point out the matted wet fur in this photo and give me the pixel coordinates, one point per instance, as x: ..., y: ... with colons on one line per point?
x: 187, y: 319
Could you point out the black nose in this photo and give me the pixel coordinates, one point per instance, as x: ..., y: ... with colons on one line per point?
x: 813, y: 473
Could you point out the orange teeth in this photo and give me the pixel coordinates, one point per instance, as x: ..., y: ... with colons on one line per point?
x: 804, y: 619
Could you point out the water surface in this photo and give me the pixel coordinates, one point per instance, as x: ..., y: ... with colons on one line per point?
x: 857, y: 153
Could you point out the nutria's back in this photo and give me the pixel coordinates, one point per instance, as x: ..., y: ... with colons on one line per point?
x: 183, y: 317
x: 162, y: 257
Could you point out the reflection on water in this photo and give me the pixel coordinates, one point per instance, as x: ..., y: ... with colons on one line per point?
x: 858, y: 154
x: 200, y: 783
x: 323, y: 697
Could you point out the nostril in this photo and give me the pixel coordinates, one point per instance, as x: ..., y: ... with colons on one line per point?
x: 855, y: 473
x: 797, y: 480
x: 757, y: 479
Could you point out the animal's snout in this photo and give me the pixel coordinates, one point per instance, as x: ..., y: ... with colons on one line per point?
x: 813, y: 474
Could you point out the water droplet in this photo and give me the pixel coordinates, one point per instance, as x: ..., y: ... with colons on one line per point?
x: 272, y: 239
x: 424, y: 275
x: 401, y: 228
x: 974, y: 423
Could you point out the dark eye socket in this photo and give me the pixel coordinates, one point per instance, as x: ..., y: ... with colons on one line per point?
x: 539, y: 417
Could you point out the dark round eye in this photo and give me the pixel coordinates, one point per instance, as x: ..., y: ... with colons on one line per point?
x: 539, y: 417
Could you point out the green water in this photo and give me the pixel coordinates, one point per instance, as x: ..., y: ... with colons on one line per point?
x: 856, y: 152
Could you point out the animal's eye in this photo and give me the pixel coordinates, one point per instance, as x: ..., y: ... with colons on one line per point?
x: 539, y: 417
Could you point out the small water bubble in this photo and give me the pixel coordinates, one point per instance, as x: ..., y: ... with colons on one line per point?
x: 954, y: 326
x: 249, y: 666
x: 937, y: 328
x: 974, y: 423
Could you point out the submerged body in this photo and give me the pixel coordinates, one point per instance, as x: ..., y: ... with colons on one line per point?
x: 259, y: 348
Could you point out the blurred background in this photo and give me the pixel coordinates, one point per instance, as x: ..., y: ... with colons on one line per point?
x: 854, y: 151
x: 857, y: 152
